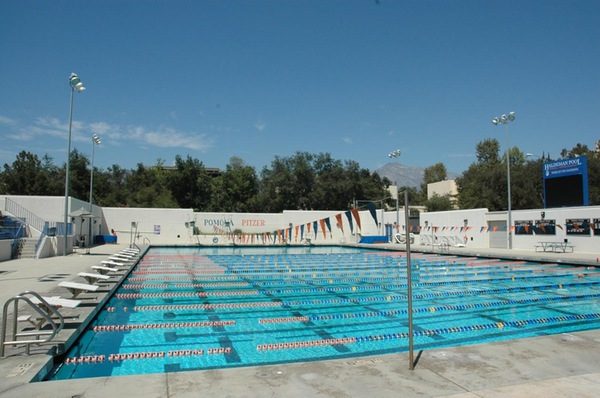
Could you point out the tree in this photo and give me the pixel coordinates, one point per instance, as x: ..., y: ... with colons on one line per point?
x: 111, y: 186
x: 487, y: 151
x: 439, y: 203
x: 147, y: 187
x: 79, y: 175
x: 431, y: 174
x: 235, y: 190
x: 28, y: 176
x: 481, y: 185
x: 190, y: 183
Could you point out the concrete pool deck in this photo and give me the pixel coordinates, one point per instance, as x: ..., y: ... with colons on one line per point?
x: 562, y: 365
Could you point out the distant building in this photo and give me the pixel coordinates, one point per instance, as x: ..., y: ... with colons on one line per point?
x: 211, y: 171
x: 444, y: 188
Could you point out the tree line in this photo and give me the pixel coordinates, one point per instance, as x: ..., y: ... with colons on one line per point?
x: 302, y: 181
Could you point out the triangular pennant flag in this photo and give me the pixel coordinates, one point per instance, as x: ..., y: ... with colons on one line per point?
x: 328, y: 223
x: 308, y: 228
x: 339, y: 223
x: 301, y: 231
x: 373, y: 211
x: 349, y: 217
x: 322, y: 222
x: 316, y: 228
x: 356, y: 217
x: 296, y: 228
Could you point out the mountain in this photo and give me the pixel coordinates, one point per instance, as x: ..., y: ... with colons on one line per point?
x: 403, y: 175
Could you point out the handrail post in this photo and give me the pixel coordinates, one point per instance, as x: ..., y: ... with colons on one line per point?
x: 36, y: 307
x: 411, y: 360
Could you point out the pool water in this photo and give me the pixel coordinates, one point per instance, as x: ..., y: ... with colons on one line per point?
x: 191, y: 308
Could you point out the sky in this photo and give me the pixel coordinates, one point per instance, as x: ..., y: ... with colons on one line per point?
x: 258, y: 79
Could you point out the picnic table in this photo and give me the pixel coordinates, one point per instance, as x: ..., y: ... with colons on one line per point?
x: 555, y: 247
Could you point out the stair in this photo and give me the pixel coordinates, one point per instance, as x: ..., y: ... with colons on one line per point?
x: 27, y: 248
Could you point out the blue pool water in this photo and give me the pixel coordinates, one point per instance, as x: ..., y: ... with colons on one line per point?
x: 189, y: 309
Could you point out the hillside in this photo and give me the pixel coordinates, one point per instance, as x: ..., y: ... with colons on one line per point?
x: 403, y: 175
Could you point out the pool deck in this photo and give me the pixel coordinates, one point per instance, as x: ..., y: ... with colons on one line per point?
x: 563, y: 365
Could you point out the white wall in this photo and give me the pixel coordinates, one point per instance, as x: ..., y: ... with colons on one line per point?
x: 168, y: 226
x: 158, y: 226
x: 214, y: 225
x: 449, y: 227
x: 589, y: 244
x: 5, y: 249
x: 442, y: 188
x: 49, y: 208
x: 52, y: 246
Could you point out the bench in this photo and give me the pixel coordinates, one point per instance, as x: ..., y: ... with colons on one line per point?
x: 555, y: 247
x: 92, y: 278
x: 77, y: 288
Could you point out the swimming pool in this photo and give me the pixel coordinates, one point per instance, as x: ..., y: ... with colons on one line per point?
x: 193, y: 308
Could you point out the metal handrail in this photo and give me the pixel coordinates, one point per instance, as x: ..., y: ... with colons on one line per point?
x: 46, y: 315
x: 27, y: 215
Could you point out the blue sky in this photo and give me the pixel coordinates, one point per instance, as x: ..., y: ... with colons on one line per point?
x: 255, y: 79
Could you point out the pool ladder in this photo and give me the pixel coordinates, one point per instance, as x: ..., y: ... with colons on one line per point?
x: 48, y: 314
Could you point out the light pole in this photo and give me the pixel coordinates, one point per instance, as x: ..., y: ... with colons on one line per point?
x: 95, y: 141
x: 76, y: 85
x: 504, y: 120
x: 411, y: 360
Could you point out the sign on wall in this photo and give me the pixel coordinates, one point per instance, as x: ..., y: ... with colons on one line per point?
x: 545, y: 227
x: 156, y: 229
x: 566, y: 182
x: 578, y: 226
x: 523, y: 227
x: 596, y: 226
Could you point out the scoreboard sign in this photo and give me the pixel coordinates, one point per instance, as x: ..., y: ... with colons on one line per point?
x: 566, y: 182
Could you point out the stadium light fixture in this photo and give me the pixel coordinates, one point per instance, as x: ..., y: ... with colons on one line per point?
x: 503, y: 120
x: 76, y: 86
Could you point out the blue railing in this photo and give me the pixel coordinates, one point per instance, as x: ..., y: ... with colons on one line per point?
x: 12, y: 228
